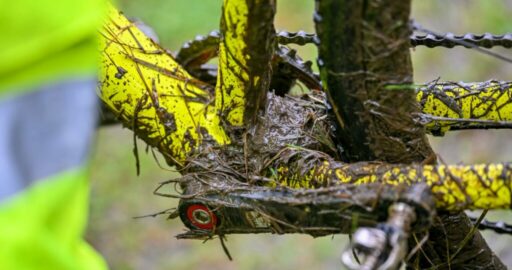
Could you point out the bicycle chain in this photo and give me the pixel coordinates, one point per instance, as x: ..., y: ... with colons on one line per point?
x: 499, y: 227
x: 297, y: 38
x: 191, y: 50
x: 448, y: 40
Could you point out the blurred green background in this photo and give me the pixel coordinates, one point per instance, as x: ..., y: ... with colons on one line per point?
x: 118, y: 194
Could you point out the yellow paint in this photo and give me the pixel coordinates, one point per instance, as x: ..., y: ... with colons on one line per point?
x: 236, y: 78
x: 455, y: 187
x: 154, y: 90
x: 233, y: 77
x: 480, y: 101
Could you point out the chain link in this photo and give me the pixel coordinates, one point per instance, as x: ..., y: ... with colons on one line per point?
x: 297, y: 38
x: 450, y: 40
x: 498, y: 227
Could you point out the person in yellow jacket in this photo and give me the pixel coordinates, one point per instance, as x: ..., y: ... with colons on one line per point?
x: 48, y: 116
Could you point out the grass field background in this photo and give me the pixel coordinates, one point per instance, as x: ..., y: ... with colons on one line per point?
x: 118, y: 194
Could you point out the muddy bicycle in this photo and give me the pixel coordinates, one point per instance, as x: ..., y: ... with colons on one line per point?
x: 259, y: 161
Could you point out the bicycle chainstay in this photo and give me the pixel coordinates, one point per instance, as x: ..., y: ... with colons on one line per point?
x: 447, y: 40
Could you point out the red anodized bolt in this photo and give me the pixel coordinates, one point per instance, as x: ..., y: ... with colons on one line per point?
x: 201, y: 217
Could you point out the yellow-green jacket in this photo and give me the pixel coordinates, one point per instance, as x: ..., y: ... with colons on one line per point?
x: 48, y: 111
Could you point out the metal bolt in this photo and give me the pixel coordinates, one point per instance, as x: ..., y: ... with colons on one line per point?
x: 201, y: 216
